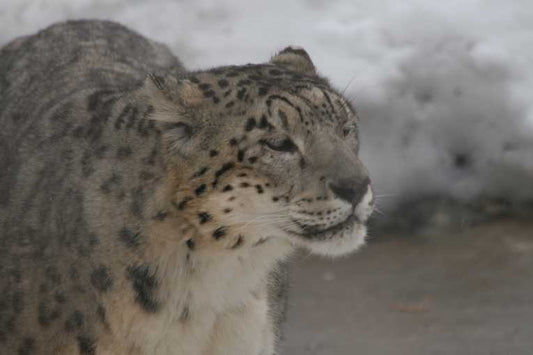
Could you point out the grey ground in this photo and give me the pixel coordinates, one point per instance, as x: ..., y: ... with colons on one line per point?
x: 454, y: 293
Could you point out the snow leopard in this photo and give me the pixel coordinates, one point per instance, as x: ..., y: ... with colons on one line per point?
x: 148, y: 209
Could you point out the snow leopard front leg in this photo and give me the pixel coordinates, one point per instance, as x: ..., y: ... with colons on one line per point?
x: 246, y: 330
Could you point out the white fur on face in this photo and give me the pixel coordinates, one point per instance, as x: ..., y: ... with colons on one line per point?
x: 342, y: 243
x: 346, y: 240
x: 364, y: 209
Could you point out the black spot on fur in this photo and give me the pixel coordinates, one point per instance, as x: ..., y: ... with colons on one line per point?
x: 240, y: 155
x: 227, y: 166
x: 101, y: 279
x: 46, y: 315
x: 264, y: 124
x: 151, y: 158
x: 241, y: 93
x: 60, y: 297
x: 219, y: 232
x: 227, y: 210
x: 52, y: 275
x: 100, y: 151
x: 137, y: 203
x: 213, y: 153
x: 262, y: 91
x: 227, y: 188
x: 209, y: 93
x: 223, y: 83
x: 101, y: 104
x: 73, y: 273
x: 86, y: 345
x: 123, y: 152
x: 259, y: 189
x: 111, y: 182
x: 200, y: 189
x: 230, y: 104
x: 101, y: 313
x: 161, y: 216
x: 252, y: 160
x: 303, y: 164
x: 244, y: 184
x: 74, y: 321
x: 190, y: 244
x: 204, y: 217
x: 145, y: 285
x: 126, y: 112
x: 233, y: 141
x: 275, y: 199
x: 182, y: 204
x: 250, y: 124
x: 130, y: 238
x: 145, y: 126
x: 204, y: 86
x: 27, y: 347
x: 200, y: 172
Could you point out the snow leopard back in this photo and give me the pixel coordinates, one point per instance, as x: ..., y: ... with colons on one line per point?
x: 64, y: 125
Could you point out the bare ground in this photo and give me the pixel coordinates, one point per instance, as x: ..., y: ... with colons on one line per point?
x: 454, y: 293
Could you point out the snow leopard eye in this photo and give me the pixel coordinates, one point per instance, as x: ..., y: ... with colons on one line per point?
x: 280, y: 145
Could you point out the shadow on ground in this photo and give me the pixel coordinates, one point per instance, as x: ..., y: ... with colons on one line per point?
x: 467, y: 292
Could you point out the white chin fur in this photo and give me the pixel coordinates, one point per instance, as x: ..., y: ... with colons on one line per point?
x: 345, y: 243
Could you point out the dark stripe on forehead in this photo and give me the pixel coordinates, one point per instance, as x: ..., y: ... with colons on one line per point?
x: 328, y: 99
x: 284, y: 99
x: 288, y: 102
x: 333, y: 115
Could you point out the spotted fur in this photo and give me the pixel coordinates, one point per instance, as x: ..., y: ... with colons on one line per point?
x: 145, y: 209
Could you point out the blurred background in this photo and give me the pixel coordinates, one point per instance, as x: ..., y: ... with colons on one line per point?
x: 444, y: 91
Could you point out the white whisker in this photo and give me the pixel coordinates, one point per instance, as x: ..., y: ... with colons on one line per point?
x: 385, y: 195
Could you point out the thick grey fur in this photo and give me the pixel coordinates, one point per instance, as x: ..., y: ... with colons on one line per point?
x: 59, y: 90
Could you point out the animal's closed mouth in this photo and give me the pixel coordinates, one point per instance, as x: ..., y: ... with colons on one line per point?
x: 312, y: 232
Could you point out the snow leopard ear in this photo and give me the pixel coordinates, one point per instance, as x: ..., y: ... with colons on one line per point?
x: 295, y: 59
x: 170, y: 97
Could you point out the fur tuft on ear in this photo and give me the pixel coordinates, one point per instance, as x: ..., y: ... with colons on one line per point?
x: 170, y: 97
x: 295, y: 59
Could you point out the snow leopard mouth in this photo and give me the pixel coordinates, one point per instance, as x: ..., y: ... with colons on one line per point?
x: 311, y: 232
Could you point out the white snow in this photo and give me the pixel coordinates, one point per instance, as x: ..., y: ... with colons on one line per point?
x: 444, y: 88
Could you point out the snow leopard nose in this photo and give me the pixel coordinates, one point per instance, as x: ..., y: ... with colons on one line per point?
x: 350, y: 191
